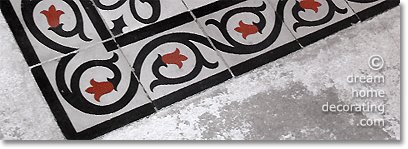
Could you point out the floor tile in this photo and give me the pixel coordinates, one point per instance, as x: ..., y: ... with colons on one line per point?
x: 248, y: 34
x: 94, y: 90
x: 368, y: 8
x: 55, y: 28
x: 127, y: 15
x: 175, y: 64
x: 312, y: 20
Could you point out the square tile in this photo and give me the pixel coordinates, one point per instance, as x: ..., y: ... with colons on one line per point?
x: 366, y: 9
x: 248, y: 34
x: 175, y: 64
x: 92, y: 92
x: 312, y: 20
x: 127, y: 15
x: 53, y: 27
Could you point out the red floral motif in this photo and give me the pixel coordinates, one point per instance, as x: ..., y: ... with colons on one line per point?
x: 246, y: 29
x: 174, y: 58
x: 310, y: 4
x: 99, y: 89
x: 53, y: 16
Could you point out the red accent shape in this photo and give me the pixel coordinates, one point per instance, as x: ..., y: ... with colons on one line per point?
x: 310, y: 4
x: 174, y: 58
x: 53, y: 16
x: 246, y: 29
x: 99, y: 89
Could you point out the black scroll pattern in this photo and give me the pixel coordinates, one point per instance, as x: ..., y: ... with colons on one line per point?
x: 302, y: 22
x: 237, y: 47
x: 27, y: 10
x: 74, y: 96
x: 155, y: 4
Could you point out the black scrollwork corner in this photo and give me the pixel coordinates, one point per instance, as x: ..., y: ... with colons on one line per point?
x: 73, y: 94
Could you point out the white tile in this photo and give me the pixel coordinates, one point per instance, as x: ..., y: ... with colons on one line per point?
x: 63, y: 17
x: 95, y: 88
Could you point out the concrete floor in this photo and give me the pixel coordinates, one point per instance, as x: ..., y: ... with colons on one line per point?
x: 279, y: 101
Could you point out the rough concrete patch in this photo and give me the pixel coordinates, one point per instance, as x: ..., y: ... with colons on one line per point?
x: 269, y: 117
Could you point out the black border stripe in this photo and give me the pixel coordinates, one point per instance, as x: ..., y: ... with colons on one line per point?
x: 64, y: 122
x: 173, y: 22
x: 377, y: 9
x: 110, y: 45
x: 19, y: 34
x: 53, y: 102
x: 265, y: 58
x: 96, y: 19
x: 192, y: 89
x: 115, y: 123
x: 99, y: 24
x: 328, y: 30
x: 214, y: 7
x: 150, y: 30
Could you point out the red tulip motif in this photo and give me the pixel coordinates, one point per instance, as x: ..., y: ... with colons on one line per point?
x: 99, y: 89
x: 174, y: 58
x: 310, y: 4
x: 53, y: 16
x: 246, y: 29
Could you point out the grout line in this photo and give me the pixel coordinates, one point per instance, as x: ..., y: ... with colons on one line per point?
x: 76, y: 51
x: 53, y: 59
x: 113, y: 37
x: 119, y: 48
x: 284, y: 23
x: 138, y: 80
x: 134, y: 74
x: 104, y: 21
x: 354, y: 11
x: 81, y: 48
x: 107, y: 27
x: 209, y: 40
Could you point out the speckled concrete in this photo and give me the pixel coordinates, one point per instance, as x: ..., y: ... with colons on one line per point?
x: 279, y: 101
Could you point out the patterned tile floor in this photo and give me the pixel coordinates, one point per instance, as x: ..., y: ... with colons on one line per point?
x: 102, y: 65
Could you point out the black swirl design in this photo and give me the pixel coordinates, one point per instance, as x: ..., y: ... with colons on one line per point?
x: 155, y: 4
x: 73, y: 95
x: 302, y: 22
x: 237, y: 47
x: 185, y: 39
x: 76, y: 98
x: 27, y: 10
